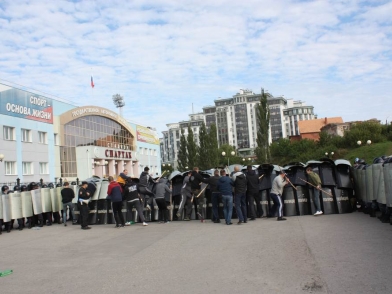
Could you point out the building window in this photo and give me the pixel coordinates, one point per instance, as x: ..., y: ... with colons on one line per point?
x: 140, y: 150
x: 8, y: 133
x: 10, y: 168
x: 56, y: 138
x: 42, y: 138
x: 26, y: 135
x: 43, y: 168
x: 27, y: 168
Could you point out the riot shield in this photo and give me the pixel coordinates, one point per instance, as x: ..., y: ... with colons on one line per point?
x: 378, y: 183
x: 328, y: 203
x: 55, y: 200
x: 27, y: 204
x: 342, y: 197
x: 60, y: 198
x: 369, y: 184
x: 46, y: 200
x: 302, y: 195
x: 6, y: 208
x: 37, y: 202
x: 290, y: 203
x: 16, y: 205
x: 388, y: 183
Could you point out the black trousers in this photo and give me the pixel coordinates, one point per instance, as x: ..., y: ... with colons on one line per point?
x: 162, y: 209
x: 188, y: 207
x: 118, y: 216
x: 83, y: 210
x: 139, y: 208
x: 251, y: 197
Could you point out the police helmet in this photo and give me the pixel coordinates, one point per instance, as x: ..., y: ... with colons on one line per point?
x: 23, y: 188
x: 4, y: 188
x: 50, y: 185
x: 16, y: 188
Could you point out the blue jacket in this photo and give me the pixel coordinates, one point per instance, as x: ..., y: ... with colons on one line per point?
x: 225, y: 185
x: 115, y: 192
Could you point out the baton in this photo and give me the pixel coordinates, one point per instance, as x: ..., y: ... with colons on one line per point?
x: 261, y: 176
x: 157, y: 180
x: 290, y: 183
x: 317, y: 188
x: 201, y: 192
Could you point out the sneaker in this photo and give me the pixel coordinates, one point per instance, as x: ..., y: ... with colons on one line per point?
x: 167, y: 222
x: 86, y: 228
x: 239, y: 222
x: 229, y: 224
x: 65, y: 224
x: 132, y: 222
x: 145, y: 224
x: 281, y: 219
x: 178, y: 215
x: 318, y: 213
x: 128, y: 223
x: 186, y: 219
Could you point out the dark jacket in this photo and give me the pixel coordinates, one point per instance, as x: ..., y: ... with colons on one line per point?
x: 67, y: 194
x: 130, y: 192
x: 186, y: 189
x: 212, y: 181
x: 252, y: 181
x: 225, y: 185
x: 145, y: 179
x: 195, y: 180
x: 83, y: 194
x: 239, y: 180
x: 161, y: 188
x: 115, y: 192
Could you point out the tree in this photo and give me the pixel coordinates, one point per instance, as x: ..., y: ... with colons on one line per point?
x: 192, y: 149
x: 182, y: 153
x: 204, y: 155
x: 263, y: 116
x: 213, y: 147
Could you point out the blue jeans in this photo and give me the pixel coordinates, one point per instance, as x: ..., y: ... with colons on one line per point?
x: 215, y: 205
x: 70, y: 205
x: 316, y: 199
x: 240, y: 206
x: 227, y: 207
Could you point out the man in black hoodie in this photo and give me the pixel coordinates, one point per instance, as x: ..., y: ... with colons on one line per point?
x: 252, y: 193
x: 144, y: 180
x: 196, y: 179
x: 239, y: 180
x: 215, y: 195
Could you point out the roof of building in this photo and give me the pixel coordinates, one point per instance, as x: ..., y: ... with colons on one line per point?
x: 315, y: 125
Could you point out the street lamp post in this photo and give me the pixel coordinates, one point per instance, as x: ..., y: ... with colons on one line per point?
x: 228, y: 157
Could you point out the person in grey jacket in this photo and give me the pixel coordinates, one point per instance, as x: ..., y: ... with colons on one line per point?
x: 186, y: 198
x: 160, y: 191
x: 276, y: 195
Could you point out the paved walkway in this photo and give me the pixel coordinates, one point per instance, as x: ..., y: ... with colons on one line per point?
x: 348, y: 253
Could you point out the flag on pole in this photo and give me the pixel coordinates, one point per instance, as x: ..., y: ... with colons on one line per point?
x: 92, y: 82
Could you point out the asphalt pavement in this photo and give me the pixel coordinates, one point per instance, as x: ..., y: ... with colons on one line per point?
x: 348, y: 253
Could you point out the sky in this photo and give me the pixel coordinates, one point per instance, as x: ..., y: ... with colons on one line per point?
x: 163, y: 56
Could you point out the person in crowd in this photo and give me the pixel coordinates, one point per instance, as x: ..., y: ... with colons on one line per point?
x: 196, y: 180
x: 239, y: 180
x: 161, y: 189
x: 225, y: 187
x: 315, y: 180
x: 252, y: 193
x: 123, y: 178
x: 83, y: 199
x: 186, y: 198
x: 276, y: 195
x: 215, y: 195
x: 133, y: 199
x: 7, y: 225
x: 146, y: 194
x: 115, y: 196
x: 67, y: 194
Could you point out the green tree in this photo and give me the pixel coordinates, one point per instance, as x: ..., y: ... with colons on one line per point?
x: 204, y: 155
x: 262, y: 150
x: 213, y: 147
x: 192, y: 149
x: 182, y: 152
x: 228, y: 158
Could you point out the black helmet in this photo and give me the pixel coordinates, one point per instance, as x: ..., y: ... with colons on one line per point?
x: 16, y: 188
x: 4, y: 188
x: 33, y: 185
x: 58, y: 185
x: 50, y: 185
x: 378, y: 160
x: 44, y: 186
x: 23, y: 188
x: 73, y: 183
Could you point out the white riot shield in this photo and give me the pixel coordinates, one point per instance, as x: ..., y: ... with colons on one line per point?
x: 54, y: 200
x: 1, y: 207
x: 96, y: 193
x: 103, y: 193
x: 16, y: 205
x: 59, y: 198
x: 76, y: 190
x: 388, y: 183
x: 27, y: 204
x: 46, y: 200
x: 378, y: 183
x: 369, y: 184
x: 37, y: 203
x: 6, y: 207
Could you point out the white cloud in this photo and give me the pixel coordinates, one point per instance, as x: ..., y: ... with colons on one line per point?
x: 162, y: 56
